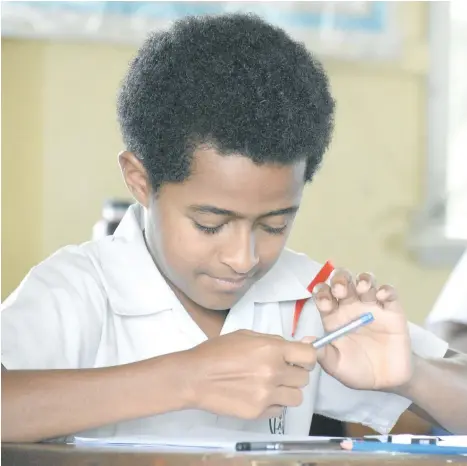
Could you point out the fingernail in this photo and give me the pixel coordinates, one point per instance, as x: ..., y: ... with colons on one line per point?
x: 318, y: 287
x: 363, y: 286
x: 382, y: 295
x: 340, y: 290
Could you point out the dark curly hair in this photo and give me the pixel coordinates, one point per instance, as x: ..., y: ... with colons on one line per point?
x: 233, y: 82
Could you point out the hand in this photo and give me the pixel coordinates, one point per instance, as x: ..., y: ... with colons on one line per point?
x: 249, y: 375
x: 376, y: 356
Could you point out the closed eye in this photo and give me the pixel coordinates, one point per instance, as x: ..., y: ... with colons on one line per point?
x: 208, y: 230
x: 274, y: 231
x: 213, y: 230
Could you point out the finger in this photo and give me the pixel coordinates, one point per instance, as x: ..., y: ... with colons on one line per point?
x: 259, y: 334
x: 299, y: 354
x: 308, y: 340
x: 295, y: 377
x: 287, y: 396
x: 387, y: 297
x: 271, y: 335
x: 342, y: 287
x: 324, y: 300
x: 329, y: 359
x: 247, y: 332
x: 366, y: 287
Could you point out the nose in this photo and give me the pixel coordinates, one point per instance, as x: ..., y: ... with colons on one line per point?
x: 240, y: 252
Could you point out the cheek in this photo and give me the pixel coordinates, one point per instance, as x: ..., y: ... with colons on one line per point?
x: 269, y: 248
x: 183, y: 249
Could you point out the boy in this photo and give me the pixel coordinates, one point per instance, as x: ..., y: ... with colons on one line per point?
x: 182, y: 321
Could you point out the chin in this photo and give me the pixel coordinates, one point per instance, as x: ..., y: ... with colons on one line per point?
x: 221, y: 303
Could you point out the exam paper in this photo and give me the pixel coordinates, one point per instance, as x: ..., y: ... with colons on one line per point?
x: 453, y: 441
x: 205, y: 439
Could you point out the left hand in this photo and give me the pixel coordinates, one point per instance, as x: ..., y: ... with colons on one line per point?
x: 378, y: 355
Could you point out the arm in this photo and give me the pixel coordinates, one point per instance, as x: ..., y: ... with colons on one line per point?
x: 447, y: 320
x: 213, y: 376
x: 438, y: 390
x: 51, y: 329
x: 43, y: 404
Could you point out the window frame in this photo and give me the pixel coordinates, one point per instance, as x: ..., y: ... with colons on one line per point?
x: 428, y: 238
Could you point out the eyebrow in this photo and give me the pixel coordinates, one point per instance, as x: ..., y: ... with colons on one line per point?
x: 208, y: 209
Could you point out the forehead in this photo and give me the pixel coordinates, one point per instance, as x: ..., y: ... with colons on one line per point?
x: 234, y: 182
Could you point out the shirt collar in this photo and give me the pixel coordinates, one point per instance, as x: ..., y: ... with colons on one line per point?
x: 135, y: 286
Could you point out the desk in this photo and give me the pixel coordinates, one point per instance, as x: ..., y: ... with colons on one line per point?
x: 68, y: 455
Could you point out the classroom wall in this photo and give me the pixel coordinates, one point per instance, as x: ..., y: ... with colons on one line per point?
x: 60, y: 145
x: 22, y: 158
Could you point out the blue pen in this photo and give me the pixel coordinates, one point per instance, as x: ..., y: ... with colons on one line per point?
x: 354, y: 325
x: 413, y: 448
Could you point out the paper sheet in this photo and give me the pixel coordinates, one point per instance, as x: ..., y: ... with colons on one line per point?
x: 217, y: 439
x: 453, y: 441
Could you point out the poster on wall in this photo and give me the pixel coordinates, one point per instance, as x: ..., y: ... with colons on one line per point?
x: 351, y: 30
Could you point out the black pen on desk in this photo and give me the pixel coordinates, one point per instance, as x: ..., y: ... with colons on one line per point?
x: 287, y: 445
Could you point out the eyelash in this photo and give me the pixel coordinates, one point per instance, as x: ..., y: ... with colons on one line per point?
x: 214, y: 230
x: 208, y: 230
x: 274, y: 231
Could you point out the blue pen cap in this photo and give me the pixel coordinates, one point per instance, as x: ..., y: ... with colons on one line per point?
x: 367, y: 318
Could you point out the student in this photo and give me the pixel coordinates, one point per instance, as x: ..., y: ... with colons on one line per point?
x: 112, y: 214
x: 183, y: 320
x: 448, y: 319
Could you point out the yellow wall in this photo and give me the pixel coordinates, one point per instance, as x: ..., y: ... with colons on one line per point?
x: 22, y: 158
x: 61, y: 96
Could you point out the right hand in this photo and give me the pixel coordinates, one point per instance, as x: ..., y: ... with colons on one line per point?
x: 249, y: 375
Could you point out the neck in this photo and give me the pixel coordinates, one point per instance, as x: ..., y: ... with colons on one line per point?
x: 209, y: 321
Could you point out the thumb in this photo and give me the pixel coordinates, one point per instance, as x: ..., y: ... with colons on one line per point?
x: 328, y: 356
x: 309, y: 340
x: 321, y: 352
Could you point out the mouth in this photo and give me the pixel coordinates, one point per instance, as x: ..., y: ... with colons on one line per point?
x: 231, y: 284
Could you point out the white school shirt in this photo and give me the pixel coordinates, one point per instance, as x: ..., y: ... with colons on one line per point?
x: 104, y: 303
x: 451, y: 305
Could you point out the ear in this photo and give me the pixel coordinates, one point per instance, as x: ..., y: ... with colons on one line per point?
x: 136, y: 177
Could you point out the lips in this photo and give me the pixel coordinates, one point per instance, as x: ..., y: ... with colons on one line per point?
x: 230, y: 284
x: 232, y: 280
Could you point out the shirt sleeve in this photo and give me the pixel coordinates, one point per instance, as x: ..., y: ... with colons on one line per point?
x: 451, y: 305
x: 377, y: 410
x: 54, y: 319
